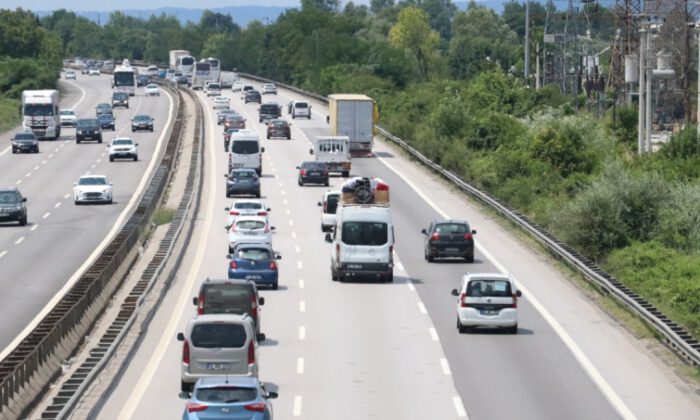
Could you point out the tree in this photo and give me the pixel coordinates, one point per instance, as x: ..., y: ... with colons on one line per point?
x: 376, y: 6
x: 412, y: 32
x: 216, y: 23
x: 440, y: 13
x: 20, y: 34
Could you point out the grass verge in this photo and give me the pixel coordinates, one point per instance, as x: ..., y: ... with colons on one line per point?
x: 9, y: 115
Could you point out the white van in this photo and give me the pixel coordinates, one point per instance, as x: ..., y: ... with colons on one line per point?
x: 329, y: 206
x: 363, y: 242
x: 245, y: 151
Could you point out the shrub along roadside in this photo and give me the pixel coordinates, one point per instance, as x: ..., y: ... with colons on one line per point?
x: 9, y: 114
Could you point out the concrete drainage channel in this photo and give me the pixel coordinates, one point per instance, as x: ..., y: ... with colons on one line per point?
x: 74, y: 387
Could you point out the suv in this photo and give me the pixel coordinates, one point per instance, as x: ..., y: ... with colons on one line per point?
x: 12, y: 207
x: 88, y: 129
x: 218, y: 344
x: 329, y: 206
x: 120, y: 99
x: 300, y: 109
x: 487, y: 300
x: 449, y: 238
x: 123, y: 148
x: 269, y: 111
x: 68, y: 117
x: 252, y: 96
x: 221, y: 296
x: 313, y: 172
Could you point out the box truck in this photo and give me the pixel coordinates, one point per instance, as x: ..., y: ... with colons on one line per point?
x: 353, y: 116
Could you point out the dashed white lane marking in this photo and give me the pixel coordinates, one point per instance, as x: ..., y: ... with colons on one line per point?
x: 99, y: 160
x: 34, y: 227
x: 459, y: 406
x: 302, y: 306
x: 300, y: 265
x: 280, y: 184
x: 282, y: 192
x: 102, y: 155
x: 19, y: 181
x: 301, y: 284
x: 300, y: 365
x: 294, y: 235
x: 285, y: 201
x: 47, y: 214
x: 3, y: 253
x: 36, y: 168
x: 289, y: 213
x: 51, y: 155
x: 66, y: 196
x: 43, y: 162
x: 410, y: 285
x: 302, y: 333
x: 94, y: 166
x: 445, y: 367
x: 296, y: 410
x: 422, y: 309
x: 297, y: 249
x: 291, y: 222
x: 19, y: 241
x: 434, y: 334
x: 28, y: 174
x: 57, y: 205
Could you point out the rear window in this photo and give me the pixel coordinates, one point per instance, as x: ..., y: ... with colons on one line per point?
x: 87, y: 123
x: 452, y: 228
x: 25, y: 136
x: 489, y: 288
x: 250, y: 224
x: 243, y: 174
x: 332, y: 204
x: 301, y: 105
x: 365, y: 233
x: 227, y: 299
x: 269, y: 109
x: 226, y: 394
x: 255, y: 254
x: 218, y: 335
x: 315, y: 166
x: 244, y: 147
x: 248, y: 206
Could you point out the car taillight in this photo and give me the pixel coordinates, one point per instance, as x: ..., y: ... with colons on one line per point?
x: 302, y: 172
x: 193, y: 407
x: 186, y: 352
x: 515, y: 301
x: 462, y: 300
x: 254, y: 307
x: 233, y: 265
x: 258, y: 406
x: 325, y: 173
x: 267, y: 229
x: 391, y: 253
x: 434, y: 237
x: 468, y: 236
x: 234, y: 213
x: 337, y: 252
x: 273, y: 265
x: 325, y: 206
x: 251, y: 353
x: 262, y: 213
x: 200, y: 304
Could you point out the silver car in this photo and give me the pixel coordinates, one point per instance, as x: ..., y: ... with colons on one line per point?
x: 269, y: 88
x: 487, y: 300
x: 218, y: 344
x: 245, y: 207
x: 249, y: 229
x: 221, y: 115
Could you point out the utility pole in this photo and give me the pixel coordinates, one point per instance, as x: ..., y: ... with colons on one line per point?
x: 647, y: 95
x: 697, y: 122
x: 527, y: 40
x: 641, y: 126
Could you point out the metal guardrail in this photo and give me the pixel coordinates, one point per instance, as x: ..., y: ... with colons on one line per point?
x: 29, y: 369
x: 675, y: 336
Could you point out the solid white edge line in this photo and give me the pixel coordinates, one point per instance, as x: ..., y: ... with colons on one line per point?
x: 300, y: 265
x: 578, y: 354
x: 459, y: 406
x: 301, y: 284
x: 421, y: 308
x: 433, y: 334
x: 410, y: 285
x: 88, y: 261
x: 296, y: 410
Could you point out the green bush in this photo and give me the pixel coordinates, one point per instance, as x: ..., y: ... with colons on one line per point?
x: 9, y: 114
x: 679, y: 219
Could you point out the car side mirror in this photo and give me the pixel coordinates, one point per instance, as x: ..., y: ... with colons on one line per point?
x: 180, y: 336
x: 424, y: 232
x: 320, y: 204
x: 518, y: 293
x: 75, y: 184
x: 455, y: 292
x: 311, y: 151
x: 261, y: 300
x: 184, y: 395
x: 136, y: 144
x: 262, y: 150
x: 225, y: 176
x: 328, y: 238
x: 260, y: 336
x: 24, y: 199
x: 195, y: 301
x: 473, y: 231
x: 298, y: 167
x: 268, y: 209
x: 227, y: 208
x: 279, y: 257
x: 272, y: 395
x: 229, y: 256
x: 110, y: 184
x: 272, y: 228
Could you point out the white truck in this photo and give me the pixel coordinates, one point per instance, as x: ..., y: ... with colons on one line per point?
x: 40, y: 113
x: 174, y: 54
x: 335, y: 152
x: 353, y: 116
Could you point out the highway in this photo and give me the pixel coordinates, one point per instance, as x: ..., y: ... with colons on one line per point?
x: 40, y: 261
x: 361, y: 350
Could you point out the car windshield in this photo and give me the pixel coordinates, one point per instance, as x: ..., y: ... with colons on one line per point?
x: 120, y: 96
x: 118, y: 142
x: 142, y: 118
x: 255, y: 254
x: 452, y: 228
x: 247, y: 205
x: 314, y: 166
x: 278, y: 124
x: 214, y: 86
x: 364, y: 233
x: 88, y: 122
x: 250, y: 224
x: 92, y: 180
x: 9, y: 197
x: 225, y: 394
x: 489, y: 288
x: 64, y: 112
x: 218, y: 336
x: 25, y: 136
x: 38, y: 110
x: 244, y: 147
x: 269, y: 108
x: 152, y: 86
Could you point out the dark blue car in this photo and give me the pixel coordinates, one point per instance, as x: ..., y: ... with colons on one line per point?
x: 256, y: 263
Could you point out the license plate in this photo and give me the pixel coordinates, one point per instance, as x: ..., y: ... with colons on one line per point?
x: 355, y: 266
x: 218, y: 366
x: 249, y: 233
x: 315, y: 174
x: 452, y: 249
x: 252, y: 277
x: 489, y: 312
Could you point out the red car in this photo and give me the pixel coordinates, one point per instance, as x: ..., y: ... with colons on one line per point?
x: 278, y: 128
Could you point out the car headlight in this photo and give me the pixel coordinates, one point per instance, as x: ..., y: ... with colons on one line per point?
x: 14, y: 143
x: 106, y: 191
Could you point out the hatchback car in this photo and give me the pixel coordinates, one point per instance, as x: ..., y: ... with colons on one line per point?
x: 237, y: 86
x: 103, y: 108
x: 221, y: 102
x: 106, y: 121
x: 249, y: 229
x: 252, y: 96
x: 142, y: 122
x: 228, y: 397
x: 94, y: 72
x: 182, y: 81
x: 70, y: 75
x: 270, y: 88
x: 449, y: 239
x: 256, y: 263
x: 242, y: 181
x: 142, y: 80
x: 487, y: 300
x: 312, y: 172
x: 12, y: 206
x: 92, y: 189
x: 218, y: 344
x: 226, y: 296
x: 221, y: 115
x: 68, y: 117
x: 245, y: 207
x: 25, y: 142
x: 279, y: 128
x: 329, y: 206
x: 234, y: 121
x: 300, y: 109
x: 88, y: 129
x: 151, y: 89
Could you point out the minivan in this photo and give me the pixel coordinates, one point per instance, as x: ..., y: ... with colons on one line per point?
x: 300, y: 109
x: 218, y: 344
x: 269, y: 111
x: 224, y: 296
x: 245, y: 151
x: 328, y: 205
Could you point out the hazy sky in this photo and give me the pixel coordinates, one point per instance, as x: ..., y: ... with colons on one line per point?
x: 101, y: 5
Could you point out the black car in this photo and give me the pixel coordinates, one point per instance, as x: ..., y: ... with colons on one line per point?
x: 142, y: 122
x: 142, y: 80
x: 106, y: 121
x: 182, y: 81
x: 88, y: 129
x: 278, y: 128
x: 120, y: 99
x: 25, y: 142
x: 242, y: 181
x: 449, y: 238
x: 269, y: 111
x: 12, y: 207
x: 313, y: 172
x: 253, y: 96
x: 103, y: 108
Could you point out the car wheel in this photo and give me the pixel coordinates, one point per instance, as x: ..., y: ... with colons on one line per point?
x: 14, y: 151
x: 257, y: 195
x: 133, y: 131
x: 301, y: 184
x: 326, y: 183
x: 23, y: 221
x: 275, y: 286
x: 289, y: 137
x: 136, y: 158
x: 100, y: 140
x: 185, y: 387
x: 513, y: 329
x: 461, y: 328
x: 389, y: 278
x: 469, y: 258
x: 111, y: 159
x: 230, y: 250
x: 431, y: 258
x: 309, y: 117
x: 268, y: 137
x: 294, y: 117
x: 151, y: 129
x: 109, y: 201
x: 77, y: 141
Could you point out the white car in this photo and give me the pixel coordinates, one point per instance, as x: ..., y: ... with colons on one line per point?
x: 93, y: 72
x: 68, y: 117
x: 487, y: 300
x: 123, y: 148
x: 212, y: 89
x: 245, y: 207
x: 92, y: 189
x: 151, y: 89
x: 300, y: 109
x: 249, y: 229
x: 329, y: 206
x: 222, y: 102
x: 269, y: 88
x: 237, y: 86
x: 70, y: 75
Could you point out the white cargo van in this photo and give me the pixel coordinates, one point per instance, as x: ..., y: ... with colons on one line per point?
x: 245, y: 151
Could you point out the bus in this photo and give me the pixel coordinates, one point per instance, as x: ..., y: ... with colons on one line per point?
x: 185, y: 64
x: 202, y: 74
x: 124, y: 80
x: 215, y: 69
